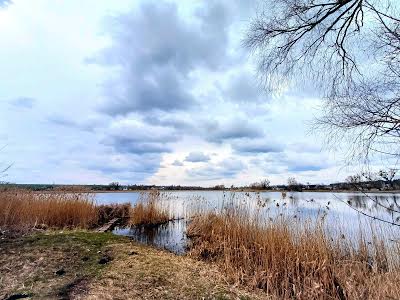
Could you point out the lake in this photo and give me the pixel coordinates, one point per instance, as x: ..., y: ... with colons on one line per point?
x: 339, y: 217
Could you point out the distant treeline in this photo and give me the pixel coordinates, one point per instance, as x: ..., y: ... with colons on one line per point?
x: 375, y: 185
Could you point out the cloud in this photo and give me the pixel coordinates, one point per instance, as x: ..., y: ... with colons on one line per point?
x: 155, y: 50
x: 296, y: 162
x: 306, y: 161
x: 243, y: 88
x: 174, y: 121
x: 128, y: 145
x: 197, y: 157
x: 177, y: 163
x: 138, y: 131
x: 254, y: 146
x: 218, y: 132
x: 131, y: 136
x: 227, y: 168
x: 88, y: 124
x: 305, y: 167
x: 62, y: 121
x: 23, y: 102
x: 304, y: 147
x: 127, y: 167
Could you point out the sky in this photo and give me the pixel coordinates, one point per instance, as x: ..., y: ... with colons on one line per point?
x: 148, y: 92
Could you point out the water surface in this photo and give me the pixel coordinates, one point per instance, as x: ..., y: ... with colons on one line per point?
x: 334, y: 208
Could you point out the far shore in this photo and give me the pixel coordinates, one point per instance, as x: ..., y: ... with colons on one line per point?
x: 231, y: 190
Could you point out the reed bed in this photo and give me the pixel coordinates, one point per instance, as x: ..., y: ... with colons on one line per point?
x: 21, y: 210
x: 149, y: 210
x: 108, y: 212
x: 292, y: 259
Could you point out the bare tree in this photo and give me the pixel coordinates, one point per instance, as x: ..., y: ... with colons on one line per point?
x: 263, y: 184
x: 349, y: 49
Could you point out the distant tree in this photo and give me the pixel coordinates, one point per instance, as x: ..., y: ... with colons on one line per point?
x: 265, y: 183
x: 387, y: 175
x: 294, y: 185
x: 353, y: 179
x: 262, y: 185
x: 349, y: 50
x: 219, y: 187
x: 292, y: 181
x: 114, y: 186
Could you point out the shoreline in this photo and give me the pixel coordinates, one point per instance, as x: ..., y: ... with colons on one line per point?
x: 229, y: 190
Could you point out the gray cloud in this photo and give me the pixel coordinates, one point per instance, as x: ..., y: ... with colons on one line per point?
x: 135, y: 165
x: 227, y: 168
x: 236, y: 129
x: 23, y: 102
x: 173, y: 121
x: 255, y: 146
x: 177, y: 163
x: 134, y: 137
x: 197, y: 157
x: 133, y: 145
x: 155, y: 49
x: 243, y: 87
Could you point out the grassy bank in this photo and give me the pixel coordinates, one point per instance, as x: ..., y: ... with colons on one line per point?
x: 295, y: 260
x: 89, y: 265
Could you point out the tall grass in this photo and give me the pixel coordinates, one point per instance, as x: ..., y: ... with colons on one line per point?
x: 109, y: 212
x: 24, y: 209
x: 149, y: 210
x: 290, y: 259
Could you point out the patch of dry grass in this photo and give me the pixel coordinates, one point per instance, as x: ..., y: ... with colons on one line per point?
x: 22, y: 210
x: 149, y: 210
x: 29, y: 265
x: 142, y: 272
x: 292, y: 259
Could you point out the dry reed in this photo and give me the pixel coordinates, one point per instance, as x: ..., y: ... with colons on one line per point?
x: 109, y: 212
x: 290, y: 259
x: 149, y: 211
x: 22, y: 210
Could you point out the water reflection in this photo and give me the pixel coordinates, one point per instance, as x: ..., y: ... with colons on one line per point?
x: 385, y: 207
x: 170, y: 236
